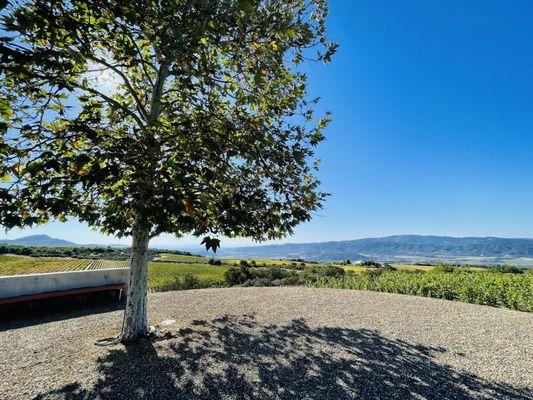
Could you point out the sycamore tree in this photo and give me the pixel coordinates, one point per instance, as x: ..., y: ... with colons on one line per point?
x: 143, y: 117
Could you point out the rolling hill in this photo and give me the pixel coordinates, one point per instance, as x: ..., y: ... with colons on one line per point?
x: 39, y: 240
x: 402, y: 248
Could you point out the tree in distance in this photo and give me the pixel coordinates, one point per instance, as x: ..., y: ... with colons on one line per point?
x: 148, y: 117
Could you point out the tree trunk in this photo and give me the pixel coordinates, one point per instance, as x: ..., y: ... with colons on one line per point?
x: 135, y: 323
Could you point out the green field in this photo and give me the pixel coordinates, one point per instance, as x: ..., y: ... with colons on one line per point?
x: 513, y: 291
x: 180, y: 258
x: 19, y: 265
x: 164, y: 276
x: 177, y: 272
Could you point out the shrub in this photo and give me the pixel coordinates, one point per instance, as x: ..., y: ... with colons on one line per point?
x: 370, y: 264
x: 504, y: 269
x: 214, y: 261
x: 244, y: 263
x: 236, y: 276
x: 270, y: 276
x: 261, y: 282
x: 272, y: 273
x: 372, y: 272
x: 314, y: 272
x: 442, y: 267
x: 294, y: 280
x: 190, y: 282
x: 187, y: 282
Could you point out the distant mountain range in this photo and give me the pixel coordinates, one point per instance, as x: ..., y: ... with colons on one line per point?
x: 39, y: 240
x: 45, y: 240
x: 402, y: 248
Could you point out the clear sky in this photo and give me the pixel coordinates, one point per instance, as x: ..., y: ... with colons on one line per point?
x: 432, y: 127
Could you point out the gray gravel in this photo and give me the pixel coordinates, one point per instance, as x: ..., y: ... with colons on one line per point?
x: 287, y: 343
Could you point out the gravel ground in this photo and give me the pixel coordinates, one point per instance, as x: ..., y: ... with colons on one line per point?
x: 287, y: 343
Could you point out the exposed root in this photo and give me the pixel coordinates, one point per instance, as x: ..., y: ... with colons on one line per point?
x: 108, y: 341
x: 154, y: 334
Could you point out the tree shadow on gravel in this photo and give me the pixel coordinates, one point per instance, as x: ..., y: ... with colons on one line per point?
x: 14, y: 316
x: 237, y: 357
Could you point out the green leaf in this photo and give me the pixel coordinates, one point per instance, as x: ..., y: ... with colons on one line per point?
x: 5, y: 110
x: 211, y: 243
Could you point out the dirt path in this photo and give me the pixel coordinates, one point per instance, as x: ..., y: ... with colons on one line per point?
x: 288, y: 343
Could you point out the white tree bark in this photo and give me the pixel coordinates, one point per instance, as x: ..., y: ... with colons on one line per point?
x: 135, y: 324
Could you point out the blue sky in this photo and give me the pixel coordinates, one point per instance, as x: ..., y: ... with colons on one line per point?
x: 432, y: 127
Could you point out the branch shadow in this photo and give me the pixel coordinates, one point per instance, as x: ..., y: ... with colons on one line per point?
x: 19, y: 315
x: 237, y: 357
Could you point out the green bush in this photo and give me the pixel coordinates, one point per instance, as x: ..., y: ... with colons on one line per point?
x: 237, y: 276
x: 504, y: 269
x: 314, y: 272
x: 388, y: 267
x: 261, y: 282
x: 286, y: 281
x: 294, y: 280
x: 186, y: 282
x: 372, y: 272
x: 259, y: 276
x: 442, y: 267
x: 370, y: 264
x: 296, y: 265
x: 272, y: 273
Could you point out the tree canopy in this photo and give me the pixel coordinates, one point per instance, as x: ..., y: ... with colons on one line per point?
x: 186, y: 116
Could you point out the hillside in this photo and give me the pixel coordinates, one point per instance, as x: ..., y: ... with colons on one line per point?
x: 39, y: 240
x: 412, y: 248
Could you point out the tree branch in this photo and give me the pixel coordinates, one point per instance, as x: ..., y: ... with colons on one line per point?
x: 110, y: 100
x: 126, y: 81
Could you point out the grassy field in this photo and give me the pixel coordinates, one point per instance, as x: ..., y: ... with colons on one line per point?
x: 180, y: 258
x: 177, y: 272
x: 168, y: 276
